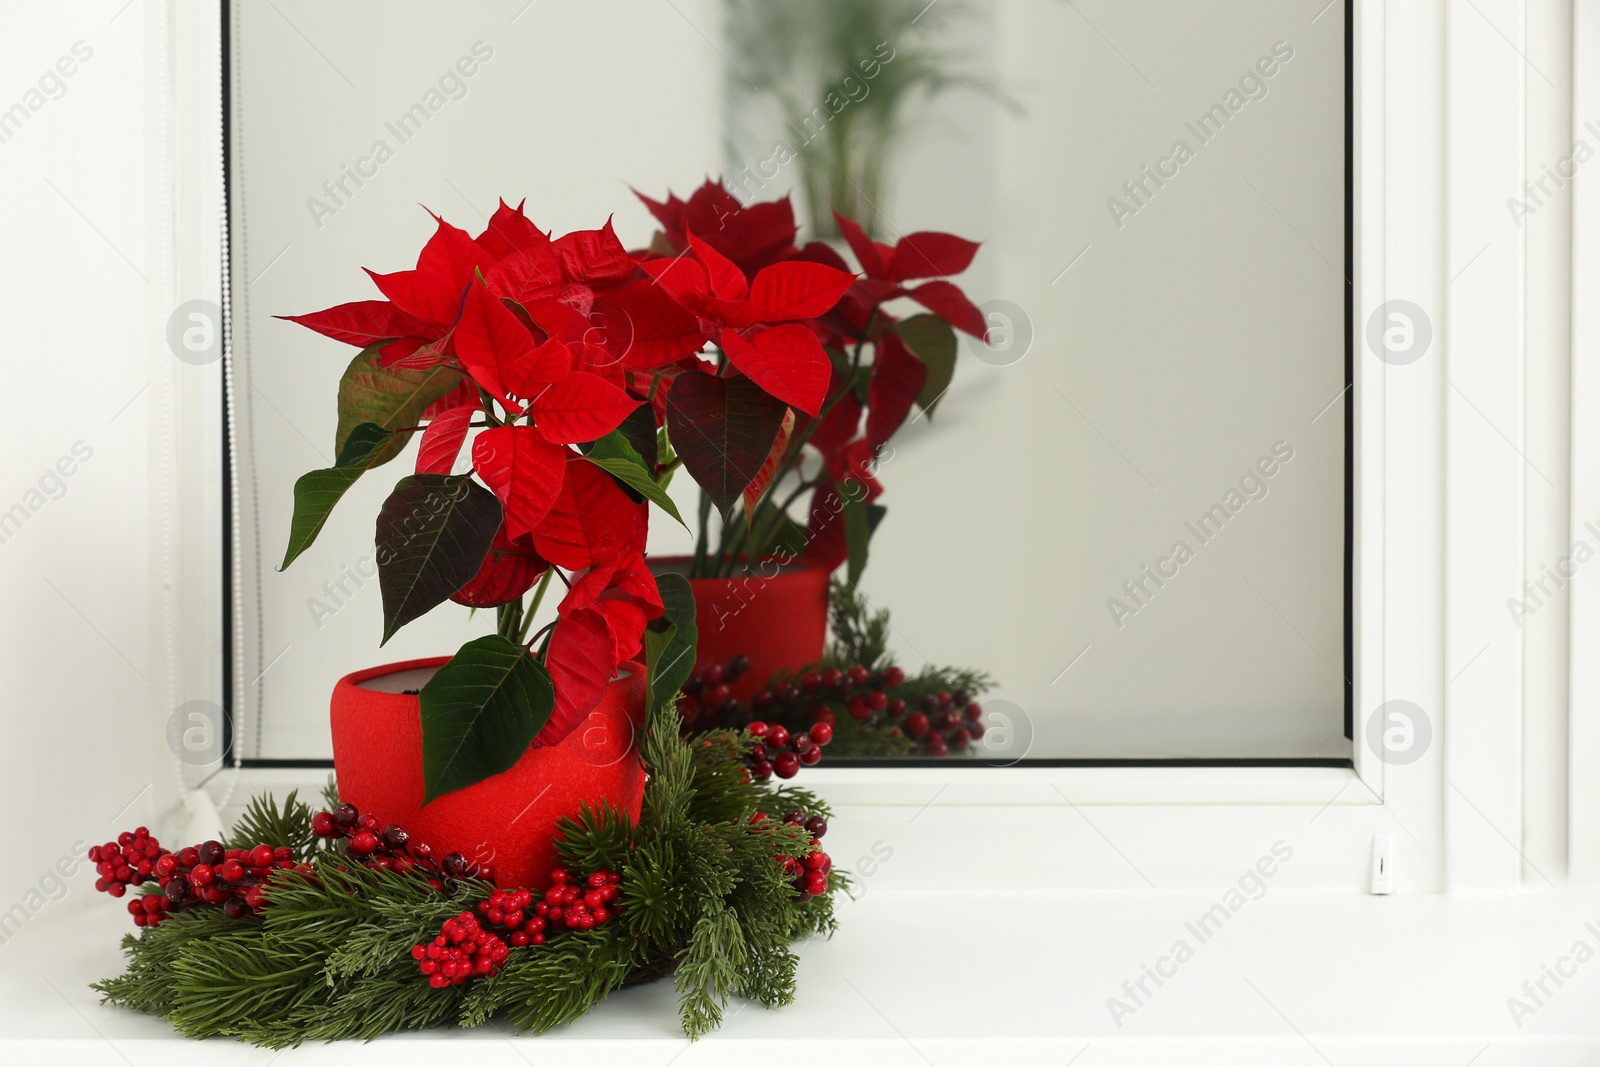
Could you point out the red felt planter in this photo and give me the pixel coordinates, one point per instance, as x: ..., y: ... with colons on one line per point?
x: 509, y: 820
x: 777, y: 616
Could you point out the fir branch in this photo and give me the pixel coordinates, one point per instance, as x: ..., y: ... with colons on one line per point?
x: 708, y: 971
x: 264, y: 823
x: 602, y: 837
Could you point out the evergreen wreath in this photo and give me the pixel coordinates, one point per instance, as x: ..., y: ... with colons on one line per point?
x: 333, y: 936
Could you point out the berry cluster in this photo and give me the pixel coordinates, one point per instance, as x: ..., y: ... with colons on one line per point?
x: 941, y: 722
x: 777, y: 751
x: 461, y: 950
x: 510, y: 909
x: 708, y: 695
x: 126, y: 861
x: 392, y: 848
x: 810, y: 872
x: 945, y: 722
x: 235, y: 878
x: 206, y: 873
x: 579, y: 904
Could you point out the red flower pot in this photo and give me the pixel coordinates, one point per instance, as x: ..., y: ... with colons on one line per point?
x: 778, y: 616
x: 509, y: 820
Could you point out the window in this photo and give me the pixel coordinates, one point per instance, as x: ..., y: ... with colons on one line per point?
x: 1131, y: 507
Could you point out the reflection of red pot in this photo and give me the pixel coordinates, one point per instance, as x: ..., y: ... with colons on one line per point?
x: 509, y: 820
x: 778, y: 616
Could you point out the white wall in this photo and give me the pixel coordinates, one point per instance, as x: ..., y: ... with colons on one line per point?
x: 89, y: 679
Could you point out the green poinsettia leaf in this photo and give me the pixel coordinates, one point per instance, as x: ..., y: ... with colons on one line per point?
x: 615, y: 455
x: 930, y: 339
x: 392, y: 398
x: 480, y: 713
x: 316, y: 493
x: 671, y: 662
x: 857, y: 533
x: 433, y: 534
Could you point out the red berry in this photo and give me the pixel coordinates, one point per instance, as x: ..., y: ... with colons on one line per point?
x: 817, y: 826
x: 786, y: 765
x: 948, y: 721
x: 859, y: 709
x: 916, y: 725
x: 961, y: 697
x: 893, y: 676
x: 364, y: 843
x: 232, y: 871
x: 711, y: 674
x: 811, y: 756
x: 814, y: 860
x: 762, y: 771
x: 823, y: 713
x: 777, y: 737
x: 816, y: 883
x: 262, y: 856
x: 716, y: 696
x: 757, y: 729
x: 794, y: 817
x: 202, y: 874
x: 821, y: 733
x: 973, y: 710
x: 761, y: 701
x: 831, y: 676
x: 810, y: 680
x: 859, y: 674
x: 935, y: 746
x: 960, y: 740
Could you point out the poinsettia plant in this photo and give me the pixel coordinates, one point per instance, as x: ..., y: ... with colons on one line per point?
x: 576, y: 377
x: 502, y: 337
x: 808, y: 375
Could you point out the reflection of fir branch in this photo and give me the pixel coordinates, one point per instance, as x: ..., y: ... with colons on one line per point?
x: 843, y: 74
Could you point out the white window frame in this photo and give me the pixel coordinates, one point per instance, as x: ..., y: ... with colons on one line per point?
x: 1440, y: 136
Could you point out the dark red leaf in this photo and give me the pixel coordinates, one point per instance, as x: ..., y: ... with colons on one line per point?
x: 896, y: 381
x: 723, y: 428
x: 951, y: 305
x: 930, y: 255
x: 873, y: 257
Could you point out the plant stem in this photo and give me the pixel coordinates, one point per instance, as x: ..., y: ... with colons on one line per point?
x: 533, y: 609
x: 508, y: 619
x: 698, y: 564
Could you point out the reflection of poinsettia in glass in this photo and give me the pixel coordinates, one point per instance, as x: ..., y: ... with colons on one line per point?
x: 580, y: 373
x: 805, y: 349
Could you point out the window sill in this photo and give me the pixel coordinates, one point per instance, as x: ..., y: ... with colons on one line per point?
x: 912, y: 978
